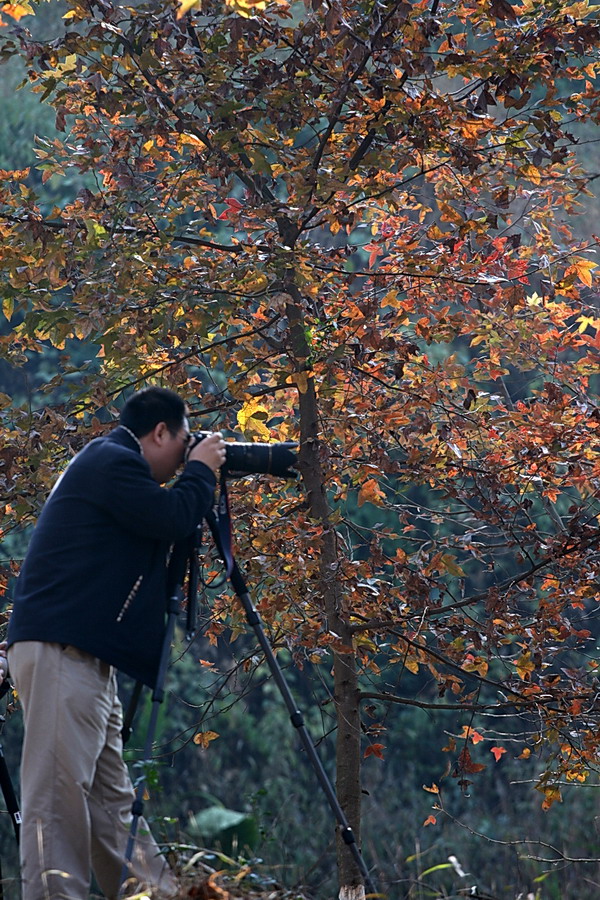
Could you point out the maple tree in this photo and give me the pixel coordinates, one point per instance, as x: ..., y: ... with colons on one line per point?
x: 342, y: 224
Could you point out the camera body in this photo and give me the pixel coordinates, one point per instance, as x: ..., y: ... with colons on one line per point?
x: 249, y: 458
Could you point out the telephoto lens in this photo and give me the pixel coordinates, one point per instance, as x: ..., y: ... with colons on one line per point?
x: 248, y: 458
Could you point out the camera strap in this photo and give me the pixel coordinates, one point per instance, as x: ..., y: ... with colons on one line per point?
x: 223, y: 536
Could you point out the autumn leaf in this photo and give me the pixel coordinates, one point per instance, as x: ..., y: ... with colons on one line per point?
x: 246, y: 8
x: 17, y: 10
x: 300, y: 380
x: 251, y: 418
x: 524, y: 666
x: 466, y: 764
x: 551, y: 795
x: 375, y: 750
x: 203, y: 738
x: 469, y: 733
x: 503, y: 10
x: 233, y: 206
x: 243, y: 171
x: 370, y: 492
x: 434, y: 789
x: 583, y: 269
x: 430, y: 820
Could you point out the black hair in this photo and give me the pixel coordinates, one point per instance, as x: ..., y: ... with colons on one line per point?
x: 145, y: 409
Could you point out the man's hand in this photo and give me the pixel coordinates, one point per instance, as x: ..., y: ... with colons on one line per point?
x: 3, y: 662
x: 210, y: 451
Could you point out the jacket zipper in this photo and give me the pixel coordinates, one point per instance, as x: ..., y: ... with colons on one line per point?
x: 130, y: 598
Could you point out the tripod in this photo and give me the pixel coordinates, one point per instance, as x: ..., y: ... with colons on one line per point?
x: 220, y: 527
x: 8, y: 792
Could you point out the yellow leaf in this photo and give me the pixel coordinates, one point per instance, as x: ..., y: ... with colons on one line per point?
x: 185, y: 6
x: 251, y: 419
x: 584, y: 321
x: 250, y: 409
x: 254, y: 282
x: 534, y: 300
x: 8, y: 307
x: 579, y: 10
x: 524, y: 666
x: 532, y: 173
x: 551, y: 795
x: 361, y: 640
x: 583, y: 269
x: 69, y: 65
x: 246, y: 8
x: 478, y: 339
x: 190, y: 139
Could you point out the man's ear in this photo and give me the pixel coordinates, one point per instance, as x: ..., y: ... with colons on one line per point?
x: 160, y: 433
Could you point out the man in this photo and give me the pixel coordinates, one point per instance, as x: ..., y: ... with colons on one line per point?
x: 90, y: 599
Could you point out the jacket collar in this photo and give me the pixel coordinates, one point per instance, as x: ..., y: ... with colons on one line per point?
x: 126, y: 438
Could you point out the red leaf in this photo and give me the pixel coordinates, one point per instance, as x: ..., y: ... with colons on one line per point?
x: 497, y: 751
x: 375, y: 750
x: 466, y: 764
x: 233, y: 206
x: 430, y: 820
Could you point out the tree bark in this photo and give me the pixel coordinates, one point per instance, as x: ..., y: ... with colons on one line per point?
x: 346, y: 690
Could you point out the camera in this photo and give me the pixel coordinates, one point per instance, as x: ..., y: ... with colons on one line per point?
x: 249, y: 458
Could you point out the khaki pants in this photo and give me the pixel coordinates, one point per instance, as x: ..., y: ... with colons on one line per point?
x: 76, y: 793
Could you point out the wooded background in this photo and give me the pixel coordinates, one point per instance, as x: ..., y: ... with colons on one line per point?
x: 367, y: 227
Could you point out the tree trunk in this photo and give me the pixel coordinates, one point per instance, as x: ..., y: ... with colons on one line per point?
x: 346, y: 694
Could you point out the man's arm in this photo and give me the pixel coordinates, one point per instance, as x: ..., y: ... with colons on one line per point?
x: 126, y: 490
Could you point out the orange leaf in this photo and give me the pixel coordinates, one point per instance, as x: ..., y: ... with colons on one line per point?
x: 370, y: 492
x: 17, y: 10
x: 469, y: 732
x: 203, y: 738
x: 551, y: 795
x: 497, y: 751
x: 583, y: 269
x: 430, y: 820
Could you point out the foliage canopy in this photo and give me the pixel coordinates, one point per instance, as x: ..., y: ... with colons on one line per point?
x: 342, y: 223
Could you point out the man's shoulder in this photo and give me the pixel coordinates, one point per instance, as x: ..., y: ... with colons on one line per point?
x: 114, y: 445
x: 102, y: 454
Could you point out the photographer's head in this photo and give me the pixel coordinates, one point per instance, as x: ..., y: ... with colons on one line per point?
x: 157, y: 417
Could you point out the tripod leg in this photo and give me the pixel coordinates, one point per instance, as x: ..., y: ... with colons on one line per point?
x: 219, y: 531
x: 10, y: 798
x: 137, y: 809
x: 297, y: 720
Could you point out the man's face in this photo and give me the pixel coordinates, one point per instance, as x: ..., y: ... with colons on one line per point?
x: 164, y: 451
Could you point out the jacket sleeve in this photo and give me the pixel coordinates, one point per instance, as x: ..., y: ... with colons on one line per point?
x: 124, y: 488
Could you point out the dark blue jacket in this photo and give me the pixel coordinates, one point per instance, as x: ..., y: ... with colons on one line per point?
x: 95, y: 571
